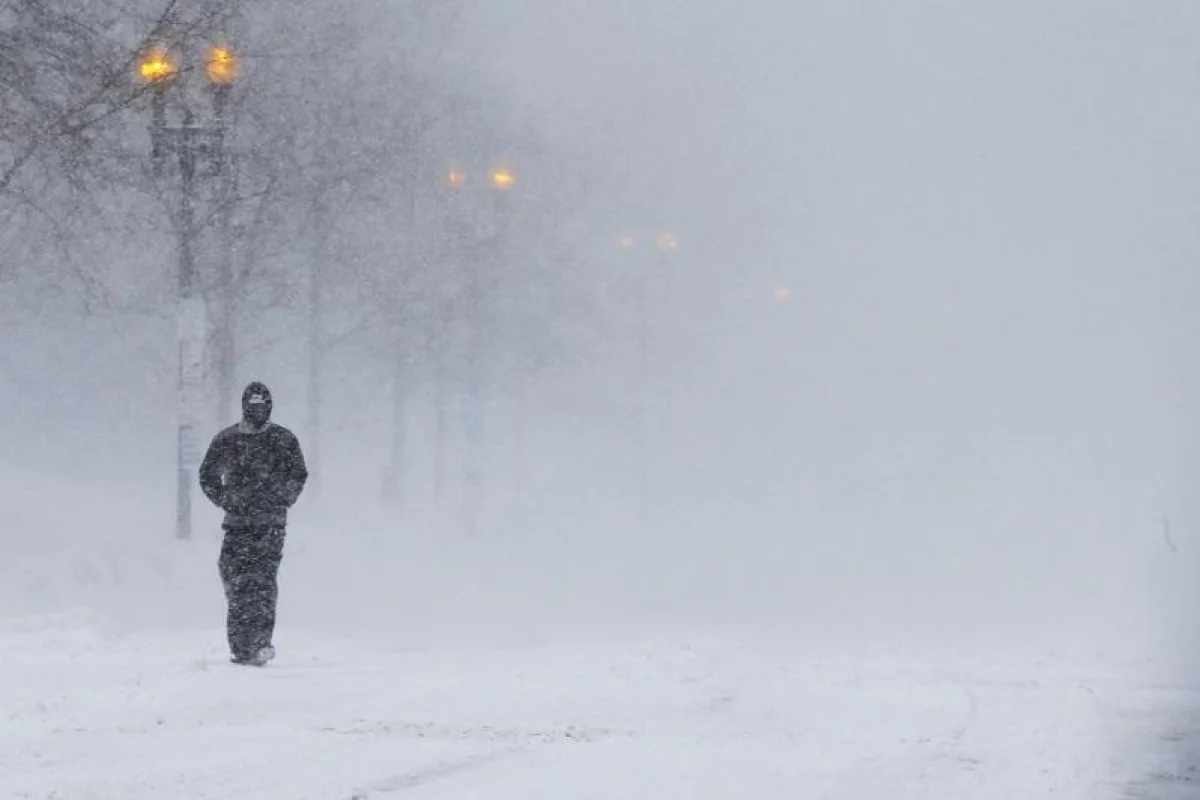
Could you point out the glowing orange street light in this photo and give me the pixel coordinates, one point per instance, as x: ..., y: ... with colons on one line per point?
x: 157, y: 67
x: 782, y: 293
x: 456, y: 178
x: 667, y: 243
x: 222, y: 66
x: 501, y: 179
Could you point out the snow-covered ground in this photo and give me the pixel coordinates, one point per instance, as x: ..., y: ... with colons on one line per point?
x: 90, y: 714
x: 404, y: 672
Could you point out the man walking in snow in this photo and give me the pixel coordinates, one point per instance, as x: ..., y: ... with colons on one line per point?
x: 254, y: 472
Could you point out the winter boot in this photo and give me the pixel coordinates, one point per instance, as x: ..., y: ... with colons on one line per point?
x: 259, y: 659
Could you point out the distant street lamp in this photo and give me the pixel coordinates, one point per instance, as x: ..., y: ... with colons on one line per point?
x: 782, y: 293
x: 194, y: 145
x: 222, y: 67
x: 456, y: 178
x: 156, y: 67
x: 501, y: 179
x: 666, y: 243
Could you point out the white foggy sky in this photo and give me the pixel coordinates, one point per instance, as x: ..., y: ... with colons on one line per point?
x: 1011, y: 184
x: 987, y: 215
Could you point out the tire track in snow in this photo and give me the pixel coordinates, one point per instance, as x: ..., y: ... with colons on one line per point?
x: 516, y: 735
x: 439, y: 770
x: 522, y: 740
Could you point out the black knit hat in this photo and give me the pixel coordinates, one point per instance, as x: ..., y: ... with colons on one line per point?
x: 256, y: 393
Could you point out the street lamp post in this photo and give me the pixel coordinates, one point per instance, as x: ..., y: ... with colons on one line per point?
x: 194, y: 145
x: 502, y: 181
x: 650, y: 273
x: 222, y: 68
x: 454, y: 180
x: 470, y: 378
x: 661, y: 403
x: 628, y: 245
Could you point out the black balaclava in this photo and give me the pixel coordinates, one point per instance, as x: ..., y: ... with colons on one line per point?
x: 256, y: 405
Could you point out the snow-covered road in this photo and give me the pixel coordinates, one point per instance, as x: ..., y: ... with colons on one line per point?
x: 89, y: 714
x: 456, y: 679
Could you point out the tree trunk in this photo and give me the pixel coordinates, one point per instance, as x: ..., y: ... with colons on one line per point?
x: 440, y: 399
x: 394, y: 477
x: 316, y: 368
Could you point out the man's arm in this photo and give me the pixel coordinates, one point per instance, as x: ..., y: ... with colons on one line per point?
x: 210, y: 472
x: 296, y: 472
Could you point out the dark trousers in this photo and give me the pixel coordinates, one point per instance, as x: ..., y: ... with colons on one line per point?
x: 249, y: 566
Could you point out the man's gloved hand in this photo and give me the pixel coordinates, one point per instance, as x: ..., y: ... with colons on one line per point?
x: 233, y: 501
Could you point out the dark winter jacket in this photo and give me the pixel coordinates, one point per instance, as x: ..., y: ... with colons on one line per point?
x: 254, y: 476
